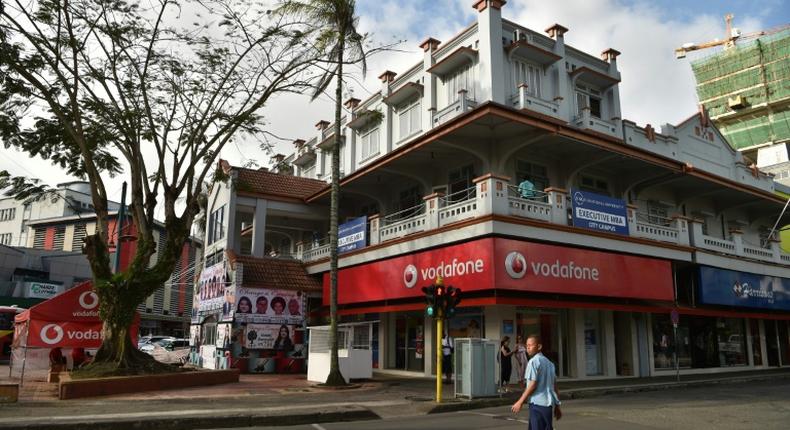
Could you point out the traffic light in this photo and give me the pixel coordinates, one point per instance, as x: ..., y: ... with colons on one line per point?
x: 452, y: 299
x: 430, y: 300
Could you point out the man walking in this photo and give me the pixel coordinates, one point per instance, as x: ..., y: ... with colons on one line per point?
x: 541, y: 388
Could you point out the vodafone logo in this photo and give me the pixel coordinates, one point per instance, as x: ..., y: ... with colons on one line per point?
x: 410, y: 276
x: 55, y: 329
x: 89, y: 300
x: 515, y: 265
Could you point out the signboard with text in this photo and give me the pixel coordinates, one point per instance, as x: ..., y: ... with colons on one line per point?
x: 599, y: 212
x: 489, y: 263
x: 351, y: 235
x: 742, y: 289
x: 42, y: 290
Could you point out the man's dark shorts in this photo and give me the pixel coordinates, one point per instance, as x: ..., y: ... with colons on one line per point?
x: 539, y: 417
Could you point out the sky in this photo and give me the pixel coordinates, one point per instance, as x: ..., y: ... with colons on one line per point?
x: 656, y: 88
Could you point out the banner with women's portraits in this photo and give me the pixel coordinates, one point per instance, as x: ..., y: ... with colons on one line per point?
x: 262, y: 306
x: 211, y: 288
x: 279, y: 337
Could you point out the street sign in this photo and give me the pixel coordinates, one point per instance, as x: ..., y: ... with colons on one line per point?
x: 675, y: 317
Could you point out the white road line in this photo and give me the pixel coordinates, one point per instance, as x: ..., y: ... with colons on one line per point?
x: 483, y: 414
x: 318, y: 427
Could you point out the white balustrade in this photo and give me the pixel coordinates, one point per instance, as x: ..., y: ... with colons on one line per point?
x: 403, y: 227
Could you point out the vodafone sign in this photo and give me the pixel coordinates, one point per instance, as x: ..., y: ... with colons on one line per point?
x: 489, y: 264
x: 557, y: 269
x: 64, y: 334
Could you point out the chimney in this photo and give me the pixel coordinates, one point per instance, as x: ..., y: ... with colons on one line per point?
x: 556, y: 31
x: 298, y: 143
x: 610, y: 56
x: 352, y: 103
x: 481, y: 5
x: 430, y: 44
x: 320, y: 125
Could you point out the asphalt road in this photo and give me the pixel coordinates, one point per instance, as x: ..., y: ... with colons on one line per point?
x: 764, y: 405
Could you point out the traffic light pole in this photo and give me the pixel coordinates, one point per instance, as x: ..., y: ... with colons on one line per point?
x: 439, y: 355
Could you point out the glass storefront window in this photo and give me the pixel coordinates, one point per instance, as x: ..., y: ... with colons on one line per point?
x: 754, y: 328
x: 731, y: 336
x: 545, y: 324
x: 784, y: 342
x: 593, y: 343
x: 664, y: 345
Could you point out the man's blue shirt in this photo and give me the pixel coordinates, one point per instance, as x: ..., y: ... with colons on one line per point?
x: 541, y: 370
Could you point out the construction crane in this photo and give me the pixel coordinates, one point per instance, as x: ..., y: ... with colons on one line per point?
x: 732, y: 35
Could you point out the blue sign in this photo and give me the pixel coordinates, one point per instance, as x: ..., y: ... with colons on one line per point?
x: 731, y: 288
x: 598, y: 212
x: 351, y: 235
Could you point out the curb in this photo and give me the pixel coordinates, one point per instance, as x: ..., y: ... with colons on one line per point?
x: 205, y: 422
x: 586, y: 393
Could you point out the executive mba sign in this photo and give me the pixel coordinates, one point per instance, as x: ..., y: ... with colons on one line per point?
x: 495, y: 263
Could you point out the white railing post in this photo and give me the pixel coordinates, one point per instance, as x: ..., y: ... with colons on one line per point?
x: 776, y: 249
x: 375, y: 225
x: 432, y: 205
x: 695, y: 238
x: 492, y: 194
x: 462, y: 100
x: 737, y: 239
x: 631, y: 213
x: 522, y: 95
x: 585, y: 117
x: 682, y: 224
x: 299, y: 250
x: 559, y: 205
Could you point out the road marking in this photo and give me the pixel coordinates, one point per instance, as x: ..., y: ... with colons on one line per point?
x: 495, y: 416
x: 318, y: 427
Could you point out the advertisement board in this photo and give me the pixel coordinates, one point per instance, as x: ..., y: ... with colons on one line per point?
x: 742, y: 289
x: 259, y: 305
x: 270, y: 336
x: 490, y: 263
x: 351, y: 235
x: 599, y: 212
x: 42, y: 290
x: 211, y: 288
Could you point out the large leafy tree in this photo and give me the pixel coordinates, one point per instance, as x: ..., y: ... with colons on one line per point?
x: 332, y: 29
x: 152, y: 91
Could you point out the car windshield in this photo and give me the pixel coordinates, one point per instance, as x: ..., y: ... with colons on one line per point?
x: 164, y: 343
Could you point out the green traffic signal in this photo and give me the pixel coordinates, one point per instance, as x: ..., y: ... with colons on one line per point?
x: 429, y: 311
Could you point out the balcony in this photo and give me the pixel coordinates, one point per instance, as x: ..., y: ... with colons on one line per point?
x: 587, y: 121
x: 492, y: 194
x: 458, y: 107
x: 524, y: 100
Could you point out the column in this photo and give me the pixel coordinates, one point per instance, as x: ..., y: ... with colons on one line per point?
x: 631, y: 213
x: 492, y: 194
x: 558, y: 198
x: 375, y: 224
x: 259, y: 228
x: 682, y: 224
x: 492, y: 57
x: 563, y: 96
x: 430, y: 86
x: 433, y: 203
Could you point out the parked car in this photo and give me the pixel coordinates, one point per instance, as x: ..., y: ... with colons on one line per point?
x: 148, y: 341
x: 171, y: 351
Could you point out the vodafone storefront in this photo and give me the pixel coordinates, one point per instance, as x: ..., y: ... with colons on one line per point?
x: 587, y: 305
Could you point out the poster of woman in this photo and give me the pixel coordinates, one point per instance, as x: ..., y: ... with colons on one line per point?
x: 269, y: 306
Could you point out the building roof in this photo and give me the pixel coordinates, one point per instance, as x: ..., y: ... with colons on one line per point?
x: 274, y: 273
x: 275, y: 184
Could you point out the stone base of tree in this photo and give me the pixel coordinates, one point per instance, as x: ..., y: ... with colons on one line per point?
x: 92, y: 387
x: 9, y: 393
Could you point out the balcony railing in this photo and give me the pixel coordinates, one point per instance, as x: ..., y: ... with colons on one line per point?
x: 524, y: 100
x: 494, y: 195
x: 459, y: 106
x: 590, y: 122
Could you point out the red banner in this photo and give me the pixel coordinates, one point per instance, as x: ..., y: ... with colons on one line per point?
x: 530, y: 266
x: 64, y: 334
x: 489, y: 263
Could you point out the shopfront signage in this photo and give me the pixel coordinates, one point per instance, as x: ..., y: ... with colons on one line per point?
x: 598, y: 212
x: 495, y: 263
x: 742, y: 289
x: 42, y: 290
x: 351, y: 235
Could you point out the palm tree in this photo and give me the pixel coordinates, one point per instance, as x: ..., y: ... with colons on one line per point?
x: 334, y: 27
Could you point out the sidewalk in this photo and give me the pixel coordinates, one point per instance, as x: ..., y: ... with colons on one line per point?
x: 290, y: 399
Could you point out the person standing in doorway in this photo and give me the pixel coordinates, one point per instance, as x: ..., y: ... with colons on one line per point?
x: 505, y: 361
x: 521, y: 360
x: 447, y: 357
x: 541, y: 388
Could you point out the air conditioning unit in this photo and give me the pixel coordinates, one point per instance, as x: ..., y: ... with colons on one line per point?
x: 737, y: 102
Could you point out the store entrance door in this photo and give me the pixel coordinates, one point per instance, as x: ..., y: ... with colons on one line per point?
x: 410, y: 342
x: 771, y: 343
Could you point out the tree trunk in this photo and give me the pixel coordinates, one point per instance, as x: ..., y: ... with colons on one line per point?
x: 335, y: 378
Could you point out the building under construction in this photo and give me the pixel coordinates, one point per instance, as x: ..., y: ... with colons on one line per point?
x: 746, y: 90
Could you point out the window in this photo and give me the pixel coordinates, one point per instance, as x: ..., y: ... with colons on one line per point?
x: 60, y: 235
x: 39, y: 236
x: 595, y: 185
x: 463, y: 79
x: 369, y: 141
x: 5, y: 239
x: 657, y: 213
x: 209, y: 332
x: 409, y: 120
x: 7, y: 214
x: 216, y: 225
x: 534, y: 173
x: 525, y: 73
x: 587, y: 97
x: 459, y: 180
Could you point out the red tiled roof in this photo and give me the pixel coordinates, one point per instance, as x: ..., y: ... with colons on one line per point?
x: 275, y: 273
x: 275, y: 184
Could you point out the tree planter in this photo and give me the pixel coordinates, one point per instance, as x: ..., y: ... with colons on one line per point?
x: 73, y: 389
